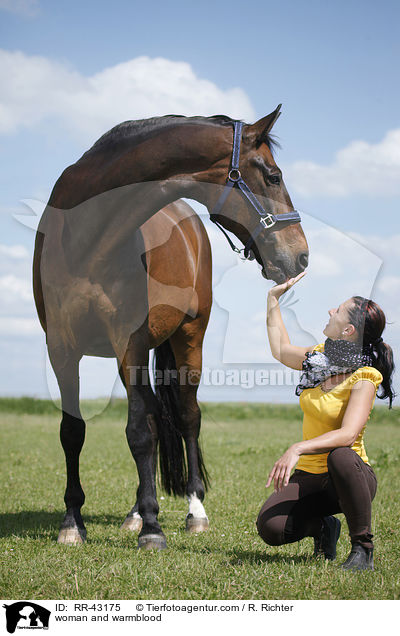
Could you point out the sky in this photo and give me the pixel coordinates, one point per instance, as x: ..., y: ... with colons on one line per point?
x: 69, y: 71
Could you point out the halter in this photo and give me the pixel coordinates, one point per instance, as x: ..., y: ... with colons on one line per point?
x: 267, y: 220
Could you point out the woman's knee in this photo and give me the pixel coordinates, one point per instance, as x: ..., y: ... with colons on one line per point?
x: 341, y: 458
x: 346, y: 468
x: 271, y: 528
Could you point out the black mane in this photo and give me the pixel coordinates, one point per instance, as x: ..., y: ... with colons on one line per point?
x: 135, y: 131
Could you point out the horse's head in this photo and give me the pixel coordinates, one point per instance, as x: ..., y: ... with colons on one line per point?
x: 281, y: 249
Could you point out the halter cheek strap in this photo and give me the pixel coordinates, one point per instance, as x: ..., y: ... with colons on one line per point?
x: 267, y: 220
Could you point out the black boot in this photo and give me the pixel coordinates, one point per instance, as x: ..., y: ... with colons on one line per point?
x: 360, y: 558
x: 325, y: 543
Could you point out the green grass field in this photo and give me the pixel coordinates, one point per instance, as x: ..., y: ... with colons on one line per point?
x: 240, y: 443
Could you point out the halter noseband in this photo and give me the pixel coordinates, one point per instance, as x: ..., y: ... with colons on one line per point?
x: 267, y: 220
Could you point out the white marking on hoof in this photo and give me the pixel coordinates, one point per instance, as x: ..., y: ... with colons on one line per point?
x: 71, y: 536
x: 133, y: 523
x: 152, y: 542
x: 196, y: 508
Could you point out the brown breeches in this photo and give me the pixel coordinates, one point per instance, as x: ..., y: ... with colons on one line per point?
x: 295, y: 512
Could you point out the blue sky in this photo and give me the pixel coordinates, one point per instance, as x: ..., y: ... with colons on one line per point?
x: 70, y: 70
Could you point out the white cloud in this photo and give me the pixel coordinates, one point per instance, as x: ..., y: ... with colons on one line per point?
x: 336, y: 254
x: 15, y: 286
x: 12, y: 287
x: 325, y: 264
x: 387, y: 247
x: 14, y: 326
x: 15, y: 261
x: 36, y: 89
x: 25, y: 8
x: 17, y: 252
x: 386, y: 291
x: 359, y: 168
x: 389, y: 285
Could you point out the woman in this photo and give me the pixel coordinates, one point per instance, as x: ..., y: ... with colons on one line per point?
x: 337, y: 391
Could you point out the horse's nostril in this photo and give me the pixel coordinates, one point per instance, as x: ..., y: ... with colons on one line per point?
x: 302, y: 261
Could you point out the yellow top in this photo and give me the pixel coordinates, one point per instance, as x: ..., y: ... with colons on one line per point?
x: 323, y: 412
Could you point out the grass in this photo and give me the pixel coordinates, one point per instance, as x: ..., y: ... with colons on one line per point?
x: 240, y: 443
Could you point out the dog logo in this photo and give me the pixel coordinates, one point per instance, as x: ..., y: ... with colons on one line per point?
x: 26, y: 615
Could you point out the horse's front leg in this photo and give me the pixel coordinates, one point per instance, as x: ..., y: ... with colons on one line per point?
x: 72, y: 436
x: 133, y: 521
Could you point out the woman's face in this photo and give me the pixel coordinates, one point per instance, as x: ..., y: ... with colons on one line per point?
x: 339, y: 326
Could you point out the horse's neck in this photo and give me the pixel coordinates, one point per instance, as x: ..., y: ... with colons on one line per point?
x: 99, y: 225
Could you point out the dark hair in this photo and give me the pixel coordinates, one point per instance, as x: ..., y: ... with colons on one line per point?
x: 370, y: 321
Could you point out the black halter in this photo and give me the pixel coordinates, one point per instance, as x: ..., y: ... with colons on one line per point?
x: 267, y: 220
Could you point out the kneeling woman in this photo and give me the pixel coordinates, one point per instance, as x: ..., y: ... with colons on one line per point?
x: 337, y: 390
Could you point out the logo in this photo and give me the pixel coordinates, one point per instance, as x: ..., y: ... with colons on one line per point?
x: 26, y: 615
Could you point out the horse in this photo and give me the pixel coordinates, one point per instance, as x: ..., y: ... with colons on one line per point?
x: 93, y: 275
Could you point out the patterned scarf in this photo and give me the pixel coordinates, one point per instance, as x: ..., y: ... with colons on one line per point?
x: 339, y: 356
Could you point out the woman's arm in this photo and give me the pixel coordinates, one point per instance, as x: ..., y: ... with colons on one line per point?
x: 281, y: 347
x: 354, y: 420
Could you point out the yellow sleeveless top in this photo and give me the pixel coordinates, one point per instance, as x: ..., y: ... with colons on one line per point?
x: 324, y: 412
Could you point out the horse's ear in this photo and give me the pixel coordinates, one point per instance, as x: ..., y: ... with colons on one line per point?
x: 258, y: 132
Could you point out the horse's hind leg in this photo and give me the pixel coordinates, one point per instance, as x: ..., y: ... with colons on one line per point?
x: 133, y: 521
x: 186, y: 344
x: 141, y: 433
x: 72, y: 436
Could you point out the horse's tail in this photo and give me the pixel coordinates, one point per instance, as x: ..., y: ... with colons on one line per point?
x: 173, y: 464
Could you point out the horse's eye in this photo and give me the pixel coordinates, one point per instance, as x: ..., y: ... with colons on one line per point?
x: 275, y: 179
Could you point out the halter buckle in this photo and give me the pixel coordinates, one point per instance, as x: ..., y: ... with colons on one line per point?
x: 267, y: 221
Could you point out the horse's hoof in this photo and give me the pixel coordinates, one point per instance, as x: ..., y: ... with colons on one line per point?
x: 196, y: 524
x: 71, y: 536
x: 152, y: 542
x: 133, y: 523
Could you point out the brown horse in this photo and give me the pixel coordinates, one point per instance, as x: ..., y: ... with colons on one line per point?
x: 105, y: 287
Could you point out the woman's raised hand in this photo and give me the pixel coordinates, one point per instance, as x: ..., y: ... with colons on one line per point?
x: 277, y: 290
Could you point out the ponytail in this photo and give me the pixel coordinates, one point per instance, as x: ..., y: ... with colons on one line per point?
x: 370, y: 321
x: 382, y: 355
